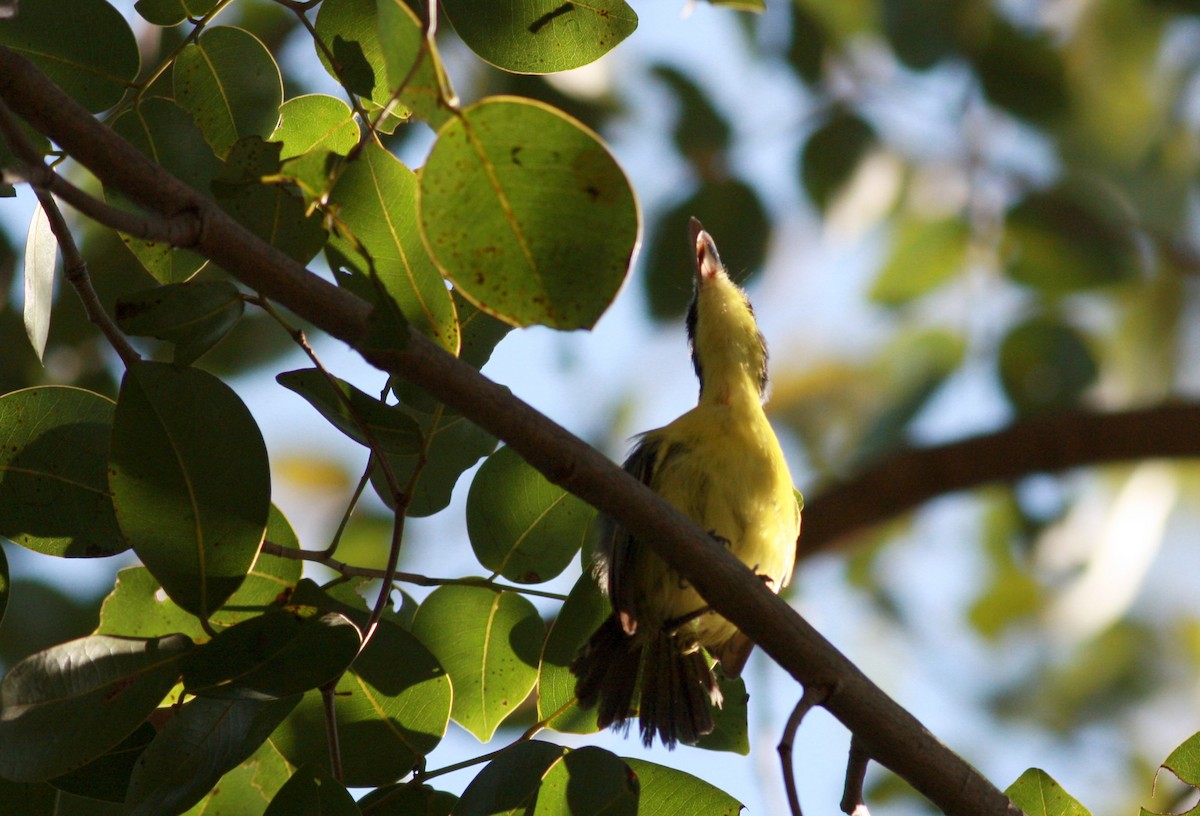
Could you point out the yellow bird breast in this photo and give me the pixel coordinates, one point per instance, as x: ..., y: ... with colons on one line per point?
x: 721, y: 465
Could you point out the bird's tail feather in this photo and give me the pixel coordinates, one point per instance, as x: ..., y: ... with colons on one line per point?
x: 678, y: 688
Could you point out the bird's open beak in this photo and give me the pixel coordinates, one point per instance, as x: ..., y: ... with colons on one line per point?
x: 708, y: 262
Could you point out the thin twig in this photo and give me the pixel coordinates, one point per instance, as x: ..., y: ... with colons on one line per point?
x: 856, y: 773
x: 352, y: 571
x: 345, y: 522
x: 328, y: 693
x: 813, y: 696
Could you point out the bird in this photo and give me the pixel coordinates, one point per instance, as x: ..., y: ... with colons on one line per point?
x: 721, y: 464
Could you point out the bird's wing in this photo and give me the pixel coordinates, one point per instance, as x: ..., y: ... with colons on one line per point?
x: 619, y: 547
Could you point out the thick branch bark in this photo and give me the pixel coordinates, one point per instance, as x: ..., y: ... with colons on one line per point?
x: 1042, y: 445
x: 888, y: 733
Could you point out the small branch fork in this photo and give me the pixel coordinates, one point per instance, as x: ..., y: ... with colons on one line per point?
x: 813, y: 696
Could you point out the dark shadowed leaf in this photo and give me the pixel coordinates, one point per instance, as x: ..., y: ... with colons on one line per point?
x: 107, y: 776
x: 84, y: 46
x: 280, y: 653
x: 392, y: 429
x: 5, y: 585
x: 489, y: 643
x: 1045, y: 365
x: 1021, y: 71
x: 195, y: 316
x: 922, y: 32
x: 806, y: 49
x: 588, y: 781
x: 522, y: 526
x: 700, y: 130
x: 203, y: 741
x: 53, y: 472
x: 407, y: 799
x: 510, y: 782
x: 832, y: 153
x: 541, y: 36
x: 173, y: 12
x: 63, y: 707
x: 527, y: 212
x: 312, y: 792
x: 190, y: 482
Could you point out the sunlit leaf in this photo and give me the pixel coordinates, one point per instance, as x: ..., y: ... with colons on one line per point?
x: 376, y: 197
x: 41, y: 257
x: 54, y: 494
x: 1037, y: 794
x: 489, y: 643
x: 195, y: 316
x: 204, y: 740
x: 63, y: 707
x: 581, y: 614
x: 670, y: 792
x: 165, y: 133
x: 418, y: 83
x: 541, y: 36
x: 85, y: 47
x: 392, y: 707
x: 248, y: 788
x: 350, y: 30
x: 315, y: 122
x: 522, y: 526
x: 527, y: 212
x: 925, y: 254
x: 588, y: 781
x: 229, y: 82
x: 190, y: 482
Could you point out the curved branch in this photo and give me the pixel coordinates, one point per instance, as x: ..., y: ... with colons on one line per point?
x: 888, y: 733
x: 1046, y: 444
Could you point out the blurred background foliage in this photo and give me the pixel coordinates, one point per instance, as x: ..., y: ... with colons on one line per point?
x: 1004, y: 196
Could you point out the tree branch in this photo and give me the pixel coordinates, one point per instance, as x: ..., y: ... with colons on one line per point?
x: 891, y: 735
x: 1046, y: 444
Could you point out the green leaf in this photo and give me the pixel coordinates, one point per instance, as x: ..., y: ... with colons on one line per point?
x: 581, y: 614
x: 5, y: 584
x: 65, y: 706
x: 392, y: 708
x: 407, y: 799
x: 350, y: 30
x: 1021, y: 71
x: 1038, y: 795
x: 832, y: 153
x: 669, y: 792
x: 452, y: 445
x: 731, y: 728
x: 312, y: 792
x: 489, y: 643
x: 756, y: 6
x: 229, y: 82
x: 190, y: 482
x: 195, y: 316
x: 173, y: 12
x: 528, y: 213
x: 588, y: 781
x: 1066, y: 240
x: 315, y: 122
x: 280, y: 653
x: 700, y: 131
x: 522, y: 526
x: 85, y: 47
x: 541, y: 36
x: 54, y: 495
x: 376, y: 198
x: 248, y: 788
x: 402, y: 39
x: 809, y: 42
x: 925, y: 254
x: 510, y: 783
x: 393, y: 430
x: 733, y: 213
x: 273, y: 212
x: 41, y: 258
x: 1045, y: 365
x: 1184, y: 761
x: 165, y: 133
x: 107, y: 776
x: 203, y: 741
x: 922, y: 32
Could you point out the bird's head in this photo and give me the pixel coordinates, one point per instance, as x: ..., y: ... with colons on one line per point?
x: 728, y: 350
